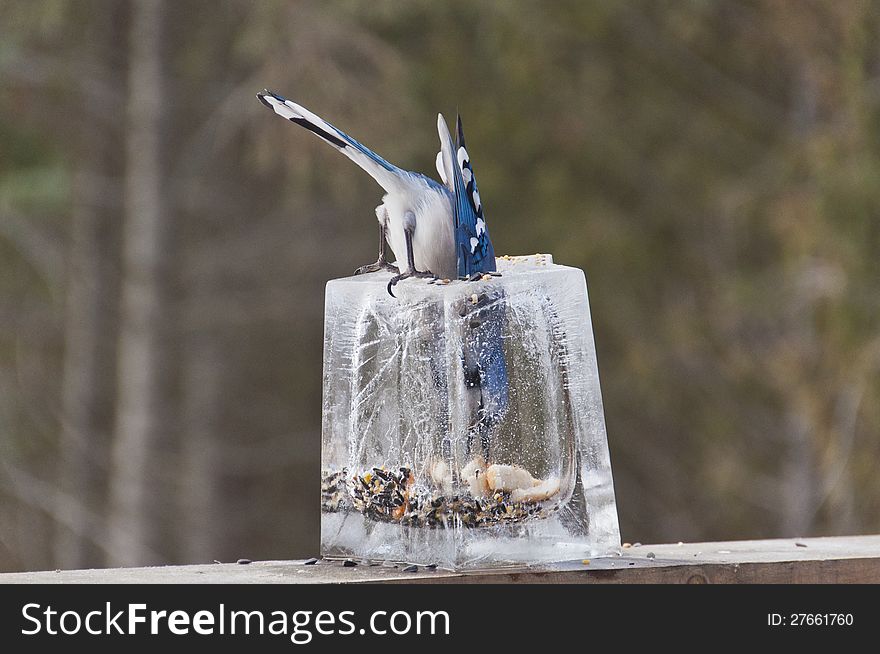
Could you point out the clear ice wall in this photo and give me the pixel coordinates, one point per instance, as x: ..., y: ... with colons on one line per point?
x: 463, y: 422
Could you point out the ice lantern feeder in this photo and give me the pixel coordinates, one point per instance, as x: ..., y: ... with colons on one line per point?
x: 405, y: 474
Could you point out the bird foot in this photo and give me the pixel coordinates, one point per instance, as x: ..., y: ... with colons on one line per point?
x: 381, y: 264
x: 477, y: 276
x: 424, y: 274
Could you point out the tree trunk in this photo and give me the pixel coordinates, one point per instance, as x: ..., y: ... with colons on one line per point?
x: 202, y: 489
x: 91, y: 316
x: 142, y: 486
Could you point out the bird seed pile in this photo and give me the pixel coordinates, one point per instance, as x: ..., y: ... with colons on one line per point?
x: 392, y: 496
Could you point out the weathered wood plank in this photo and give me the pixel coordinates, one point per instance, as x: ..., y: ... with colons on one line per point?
x: 853, y: 559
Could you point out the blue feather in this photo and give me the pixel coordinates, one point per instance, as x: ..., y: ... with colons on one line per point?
x: 484, y: 361
x: 473, y: 245
x: 485, y: 367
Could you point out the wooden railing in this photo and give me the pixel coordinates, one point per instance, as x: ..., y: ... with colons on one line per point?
x: 852, y: 559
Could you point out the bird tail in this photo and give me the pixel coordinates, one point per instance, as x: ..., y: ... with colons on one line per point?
x: 386, y: 175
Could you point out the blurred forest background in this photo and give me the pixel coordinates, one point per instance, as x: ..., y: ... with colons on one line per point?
x: 165, y: 240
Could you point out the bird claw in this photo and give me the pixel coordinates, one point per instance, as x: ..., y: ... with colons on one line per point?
x: 424, y: 274
x: 376, y: 267
x: 477, y: 276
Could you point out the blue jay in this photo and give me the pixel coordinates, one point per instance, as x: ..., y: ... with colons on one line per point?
x: 438, y: 230
x: 415, y: 216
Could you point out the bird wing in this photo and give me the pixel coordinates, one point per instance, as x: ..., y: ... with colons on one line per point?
x: 387, y: 175
x: 474, y: 247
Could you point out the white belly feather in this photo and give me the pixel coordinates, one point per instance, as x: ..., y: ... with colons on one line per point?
x: 433, y: 239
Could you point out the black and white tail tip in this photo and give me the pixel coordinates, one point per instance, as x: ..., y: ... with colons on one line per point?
x: 295, y: 114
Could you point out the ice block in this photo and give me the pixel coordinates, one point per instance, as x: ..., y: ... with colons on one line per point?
x: 462, y: 421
